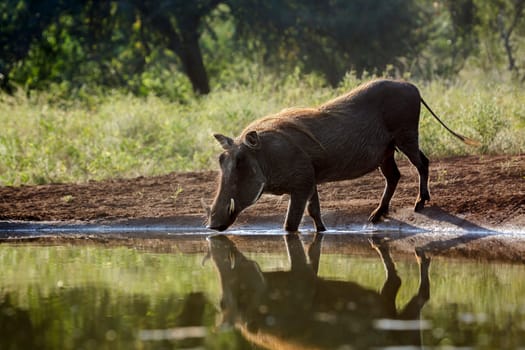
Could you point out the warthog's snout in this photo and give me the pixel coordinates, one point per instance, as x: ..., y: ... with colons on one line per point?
x: 222, y: 216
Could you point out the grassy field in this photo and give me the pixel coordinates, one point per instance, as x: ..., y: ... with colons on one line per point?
x: 47, y: 139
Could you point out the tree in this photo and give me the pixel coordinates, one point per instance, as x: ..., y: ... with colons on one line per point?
x: 102, y: 31
x: 463, y: 19
x: 449, y: 38
x: 508, y: 19
x: 502, y: 22
x: 178, y: 26
x: 330, y: 36
x: 113, y: 42
x: 21, y: 24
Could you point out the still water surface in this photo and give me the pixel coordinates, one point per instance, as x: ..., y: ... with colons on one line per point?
x: 254, y: 292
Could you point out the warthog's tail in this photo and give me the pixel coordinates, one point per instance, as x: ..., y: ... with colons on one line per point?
x: 466, y: 140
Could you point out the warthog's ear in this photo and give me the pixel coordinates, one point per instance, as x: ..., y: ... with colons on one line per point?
x: 225, y: 141
x: 251, y: 140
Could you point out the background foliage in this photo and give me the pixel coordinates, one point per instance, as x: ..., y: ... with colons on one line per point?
x: 98, y: 89
x: 151, y: 46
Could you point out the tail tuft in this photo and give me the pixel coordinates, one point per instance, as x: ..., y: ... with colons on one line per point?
x: 471, y: 142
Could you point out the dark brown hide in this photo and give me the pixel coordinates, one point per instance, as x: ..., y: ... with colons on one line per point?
x: 296, y: 149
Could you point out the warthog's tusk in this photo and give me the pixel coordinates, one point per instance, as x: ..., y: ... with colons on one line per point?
x: 259, y: 194
x: 231, y: 209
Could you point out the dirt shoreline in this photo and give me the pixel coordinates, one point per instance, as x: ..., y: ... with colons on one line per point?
x: 477, y: 205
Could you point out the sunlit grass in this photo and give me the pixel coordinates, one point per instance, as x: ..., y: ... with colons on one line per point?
x: 99, y: 136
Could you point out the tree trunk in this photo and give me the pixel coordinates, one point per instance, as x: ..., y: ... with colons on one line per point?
x: 193, y: 63
x: 184, y: 42
x: 505, y: 33
x: 505, y: 37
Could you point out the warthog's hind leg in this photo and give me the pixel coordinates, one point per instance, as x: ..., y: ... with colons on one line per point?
x: 424, y: 195
x: 420, y: 161
x: 391, y: 174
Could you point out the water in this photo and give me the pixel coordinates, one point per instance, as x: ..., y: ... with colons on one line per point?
x: 253, y: 290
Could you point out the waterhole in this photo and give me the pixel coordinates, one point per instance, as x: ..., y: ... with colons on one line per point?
x: 267, y: 291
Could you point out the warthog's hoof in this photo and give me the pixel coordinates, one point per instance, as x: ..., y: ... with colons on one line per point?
x: 420, y: 202
x: 377, y: 214
x: 320, y: 228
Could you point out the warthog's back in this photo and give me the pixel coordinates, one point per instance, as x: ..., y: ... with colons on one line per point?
x: 347, y: 137
x: 293, y: 151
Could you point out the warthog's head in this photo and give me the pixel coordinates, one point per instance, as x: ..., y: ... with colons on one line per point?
x: 241, y: 182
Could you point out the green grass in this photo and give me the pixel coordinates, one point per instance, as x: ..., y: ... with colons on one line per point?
x: 46, y: 139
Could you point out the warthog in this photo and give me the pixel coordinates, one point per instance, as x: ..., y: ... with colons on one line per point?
x: 296, y: 149
x: 296, y: 309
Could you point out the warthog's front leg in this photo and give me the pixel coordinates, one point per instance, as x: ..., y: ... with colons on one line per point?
x: 295, y: 212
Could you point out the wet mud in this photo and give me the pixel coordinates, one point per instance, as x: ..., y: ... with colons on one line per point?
x: 477, y: 211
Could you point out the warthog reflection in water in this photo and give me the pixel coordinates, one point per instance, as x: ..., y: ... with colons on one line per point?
x: 296, y: 309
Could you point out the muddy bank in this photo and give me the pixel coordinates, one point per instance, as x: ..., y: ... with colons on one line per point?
x: 477, y: 208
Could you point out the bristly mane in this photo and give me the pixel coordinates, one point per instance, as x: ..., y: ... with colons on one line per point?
x: 342, y: 104
x: 290, y: 118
